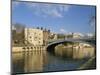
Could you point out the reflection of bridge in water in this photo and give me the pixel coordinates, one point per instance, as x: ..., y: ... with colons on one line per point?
x: 52, y: 44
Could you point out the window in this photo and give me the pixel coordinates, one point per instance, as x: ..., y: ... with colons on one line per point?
x: 35, y: 38
x: 39, y: 41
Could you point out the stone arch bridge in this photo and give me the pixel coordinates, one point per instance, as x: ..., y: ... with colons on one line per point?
x: 50, y: 47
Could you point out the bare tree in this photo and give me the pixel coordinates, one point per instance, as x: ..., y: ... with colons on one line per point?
x: 92, y: 23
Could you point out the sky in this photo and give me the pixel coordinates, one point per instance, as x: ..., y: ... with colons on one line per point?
x: 59, y: 18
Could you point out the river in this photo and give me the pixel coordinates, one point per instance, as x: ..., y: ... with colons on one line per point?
x: 43, y: 61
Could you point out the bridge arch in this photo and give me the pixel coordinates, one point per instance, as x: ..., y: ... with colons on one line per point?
x: 51, y: 47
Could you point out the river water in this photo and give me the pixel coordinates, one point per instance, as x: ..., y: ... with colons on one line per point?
x: 43, y: 61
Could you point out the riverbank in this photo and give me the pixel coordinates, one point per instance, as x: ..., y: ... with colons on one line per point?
x: 90, y: 64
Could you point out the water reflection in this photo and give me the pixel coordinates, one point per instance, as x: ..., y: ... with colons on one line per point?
x: 33, y: 61
x: 28, y: 61
x: 42, y: 61
x: 75, y: 52
x: 18, y: 62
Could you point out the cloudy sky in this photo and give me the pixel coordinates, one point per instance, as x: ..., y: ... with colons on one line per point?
x: 59, y: 18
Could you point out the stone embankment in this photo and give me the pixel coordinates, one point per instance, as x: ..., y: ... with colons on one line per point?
x: 27, y: 48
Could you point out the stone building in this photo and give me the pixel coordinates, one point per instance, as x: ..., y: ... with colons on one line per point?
x: 46, y: 35
x: 29, y: 36
x: 77, y: 35
x: 33, y: 36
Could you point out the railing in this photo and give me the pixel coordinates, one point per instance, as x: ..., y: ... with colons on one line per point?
x: 88, y: 40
